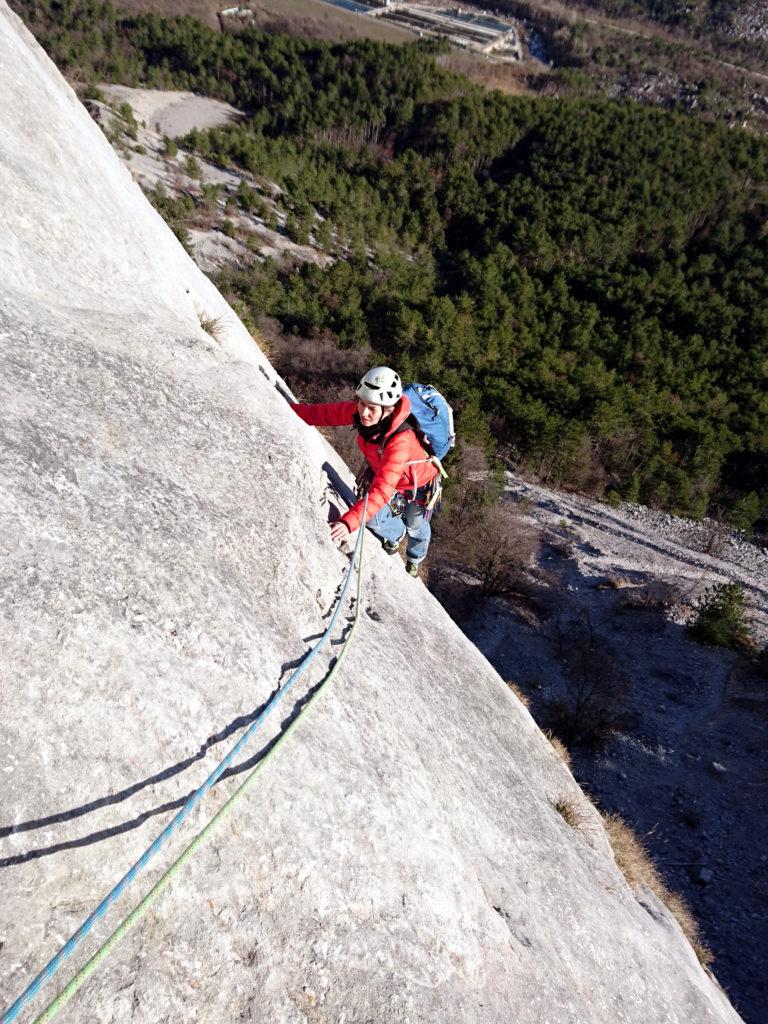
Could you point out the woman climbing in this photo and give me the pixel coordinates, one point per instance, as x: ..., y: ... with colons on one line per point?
x: 403, y: 475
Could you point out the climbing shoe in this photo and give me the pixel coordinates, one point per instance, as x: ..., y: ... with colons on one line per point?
x: 391, y: 546
x: 412, y: 568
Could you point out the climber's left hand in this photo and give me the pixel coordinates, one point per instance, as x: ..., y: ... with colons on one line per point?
x: 339, y: 532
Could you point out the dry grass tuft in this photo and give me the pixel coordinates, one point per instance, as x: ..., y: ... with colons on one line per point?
x: 572, y: 811
x: 633, y: 859
x: 213, y: 325
x: 245, y: 316
x: 519, y: 693
x: 636, y: 865
x: 680, y: 910
x: 560, y: 749
x: 656, y: 595
x: 261, y: 342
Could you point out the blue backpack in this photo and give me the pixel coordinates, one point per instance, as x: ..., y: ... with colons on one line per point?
x: 433, y: 417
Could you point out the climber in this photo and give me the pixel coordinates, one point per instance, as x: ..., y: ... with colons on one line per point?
x: 402, y: 473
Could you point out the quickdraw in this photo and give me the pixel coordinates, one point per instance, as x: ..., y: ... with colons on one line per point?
x: 435, y: 500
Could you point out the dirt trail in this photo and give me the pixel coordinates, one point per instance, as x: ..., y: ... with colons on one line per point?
x: 646, y: 544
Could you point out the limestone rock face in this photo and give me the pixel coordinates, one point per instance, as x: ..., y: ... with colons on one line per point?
x: 164, y: 555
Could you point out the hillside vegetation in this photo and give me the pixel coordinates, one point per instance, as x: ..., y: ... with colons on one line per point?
x: 708, y: 60
x: 691, y: 14
x: 587, y: 280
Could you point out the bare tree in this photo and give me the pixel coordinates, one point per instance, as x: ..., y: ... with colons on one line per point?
x: 598, y: 691
x: 507, y: 549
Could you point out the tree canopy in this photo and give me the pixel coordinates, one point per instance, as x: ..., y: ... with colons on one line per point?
x: 588, y: 279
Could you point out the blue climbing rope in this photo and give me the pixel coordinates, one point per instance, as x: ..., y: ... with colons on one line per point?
x: 66, y: 951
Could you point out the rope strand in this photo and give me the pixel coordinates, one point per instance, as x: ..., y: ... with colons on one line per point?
x: 162, y: 883
x: 66, y: 951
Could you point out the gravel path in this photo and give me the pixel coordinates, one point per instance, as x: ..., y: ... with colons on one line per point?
x: 646, y: 544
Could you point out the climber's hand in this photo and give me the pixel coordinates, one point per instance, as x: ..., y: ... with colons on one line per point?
x: 339, y: 532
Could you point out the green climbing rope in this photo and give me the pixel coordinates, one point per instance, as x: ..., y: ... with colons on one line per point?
x: 164, y: 881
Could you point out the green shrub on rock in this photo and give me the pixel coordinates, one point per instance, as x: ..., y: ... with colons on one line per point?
x: 721, y: 617
x: 746, y: 512
x: 192, y: 167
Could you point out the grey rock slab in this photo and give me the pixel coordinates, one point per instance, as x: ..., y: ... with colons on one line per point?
x: 164, y: 523
x: 173, y: 113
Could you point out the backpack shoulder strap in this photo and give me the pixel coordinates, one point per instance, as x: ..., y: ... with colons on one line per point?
x: 410, y: 423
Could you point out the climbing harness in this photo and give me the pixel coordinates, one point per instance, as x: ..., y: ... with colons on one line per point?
x: 356, y: 563
x: 398, y: 503
x: 429, y: 495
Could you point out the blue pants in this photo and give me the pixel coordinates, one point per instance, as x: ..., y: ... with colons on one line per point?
x: 393, y: 528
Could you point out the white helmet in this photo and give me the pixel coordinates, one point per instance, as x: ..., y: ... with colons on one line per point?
x: 381, y: 386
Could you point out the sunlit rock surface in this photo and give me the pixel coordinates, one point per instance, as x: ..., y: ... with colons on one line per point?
x: 163, y: 558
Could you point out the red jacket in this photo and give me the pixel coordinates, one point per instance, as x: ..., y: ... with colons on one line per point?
x: 402, y: 466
